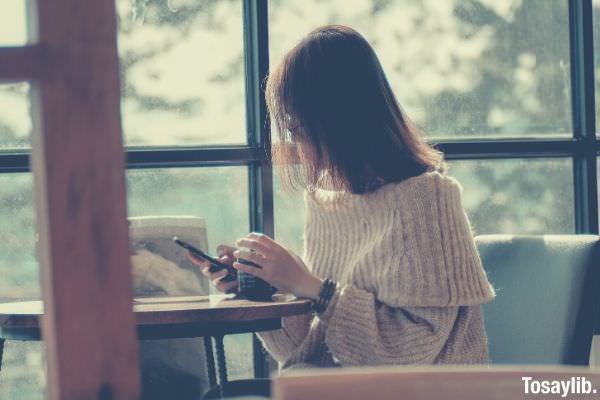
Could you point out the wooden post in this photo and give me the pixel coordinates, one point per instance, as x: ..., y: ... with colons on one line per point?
x: 78, y: 167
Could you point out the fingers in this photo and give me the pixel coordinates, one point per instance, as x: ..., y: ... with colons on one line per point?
x: 260, y: 237
x: 259, y: 241
x: 213, y: 275
x: 217, y: 276
x: 226, y: 287
x: 196, y: 260
x: 217, y: 280
x: 249, y: 269
x: 253, y: 244
x: 250, y: 256
x: 225, y: 250
x: 227, y: 259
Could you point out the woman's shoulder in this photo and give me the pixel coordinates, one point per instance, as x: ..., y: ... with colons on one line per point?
x: 426, y: 188
x: 428, y: 185
x: 425, y: 182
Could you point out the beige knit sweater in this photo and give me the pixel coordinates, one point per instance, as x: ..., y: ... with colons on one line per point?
x: 410, y: 280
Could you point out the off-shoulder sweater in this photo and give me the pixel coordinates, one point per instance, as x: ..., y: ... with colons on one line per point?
x: 410, y: 280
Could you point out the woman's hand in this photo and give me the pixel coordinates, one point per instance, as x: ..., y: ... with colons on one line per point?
x: 280, y: 266
x: 225, y: 255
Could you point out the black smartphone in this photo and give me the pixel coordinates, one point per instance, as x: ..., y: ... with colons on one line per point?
x: 215, y: 265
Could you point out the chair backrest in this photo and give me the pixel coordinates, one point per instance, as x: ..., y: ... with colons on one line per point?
x: 546, y: 304
x: 429, y: 383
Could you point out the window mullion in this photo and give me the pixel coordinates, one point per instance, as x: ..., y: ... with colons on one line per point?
x: 584, y: 117
x: 256, y: 49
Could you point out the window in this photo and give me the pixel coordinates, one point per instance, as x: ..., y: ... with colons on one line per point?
x: 503, y: 88
x: 13, y: 23
x: 494, y: 92
x: 492, y: 68
x: 492, y: 187
x: 182, y: 72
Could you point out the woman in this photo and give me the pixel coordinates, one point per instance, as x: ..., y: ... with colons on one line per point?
x: 389, y: 256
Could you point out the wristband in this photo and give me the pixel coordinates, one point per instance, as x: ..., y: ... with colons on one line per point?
x: 326, y: 292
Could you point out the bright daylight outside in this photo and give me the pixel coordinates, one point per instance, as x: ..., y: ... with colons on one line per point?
x: 463, y: 69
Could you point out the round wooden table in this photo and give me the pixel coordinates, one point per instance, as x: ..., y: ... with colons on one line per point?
x: 173, y: 318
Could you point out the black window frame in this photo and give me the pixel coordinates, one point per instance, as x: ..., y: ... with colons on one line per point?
x: 583, y: 147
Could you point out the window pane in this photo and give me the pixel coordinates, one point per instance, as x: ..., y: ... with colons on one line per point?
x: 23, y: 368
x: 500, y: 196
x: 182, y: 67
x: 239, y: 355
x: 18, y: 261
x: 15, y: 120
x: 477, y: 68
x: 527, y: 196
x: 219, y: 195
x: 23, y: 371
x: 13, y: 23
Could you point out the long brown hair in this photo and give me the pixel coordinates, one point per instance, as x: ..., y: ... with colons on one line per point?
x: 331, y: 98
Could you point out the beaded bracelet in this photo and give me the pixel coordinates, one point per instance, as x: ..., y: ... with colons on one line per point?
x: 325, y: 294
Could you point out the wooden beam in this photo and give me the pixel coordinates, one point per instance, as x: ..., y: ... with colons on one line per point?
x: 428, y: 382
x: 23, y: 63
x: 79, y: 179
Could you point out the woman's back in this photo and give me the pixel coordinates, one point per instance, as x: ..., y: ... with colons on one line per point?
x: 410, y: 277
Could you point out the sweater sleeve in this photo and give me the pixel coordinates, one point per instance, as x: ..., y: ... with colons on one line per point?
x: 362, y: 331
x: 282, y: 342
